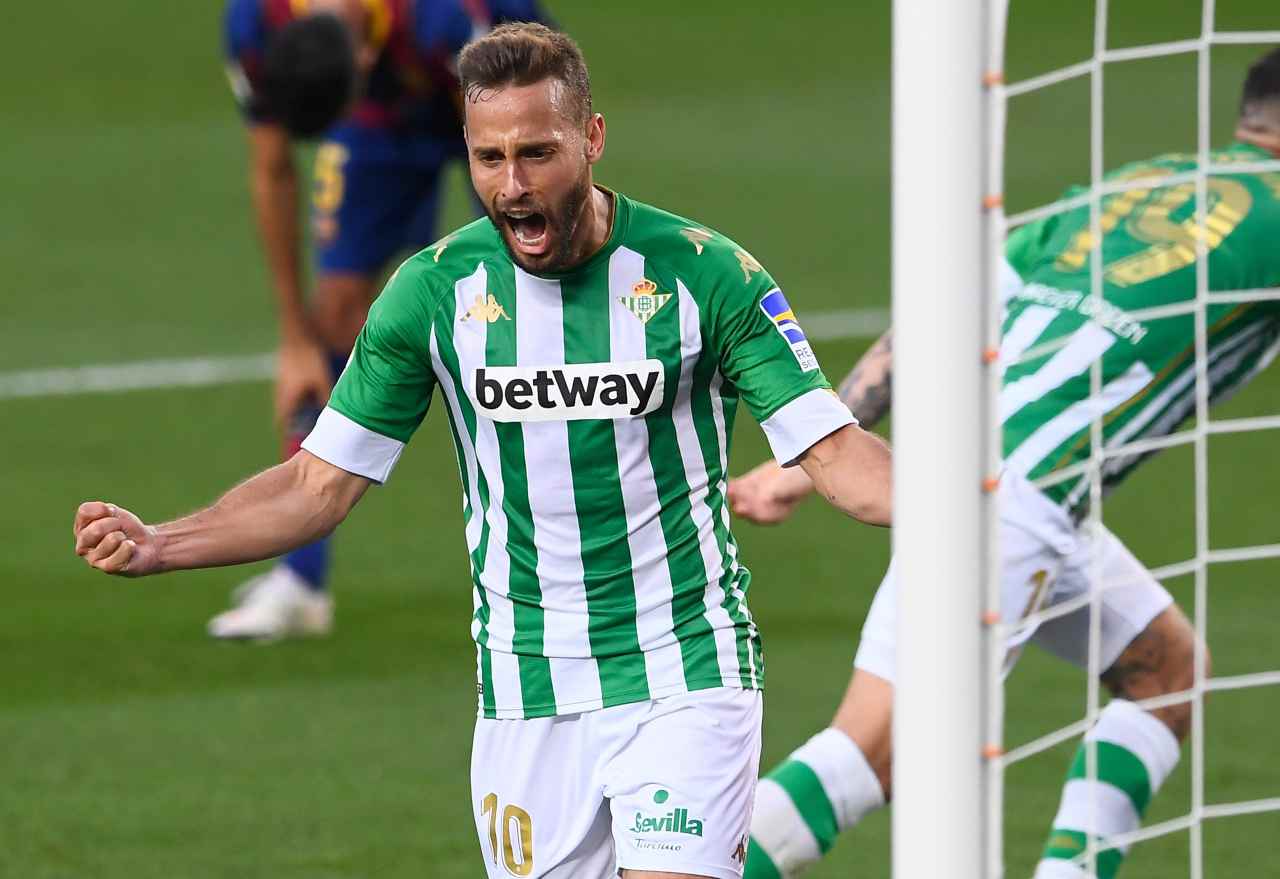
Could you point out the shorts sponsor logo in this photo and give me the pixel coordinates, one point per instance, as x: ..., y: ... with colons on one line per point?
x: 776, y: 308
x: 572, y: 392
x: 654, y: 845
x: 740, y: 853
x: 675, y: 821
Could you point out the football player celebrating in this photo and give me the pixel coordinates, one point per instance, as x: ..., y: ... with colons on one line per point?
x: 376, y: 80
x: 590, y: 352
x: 1054, y: 332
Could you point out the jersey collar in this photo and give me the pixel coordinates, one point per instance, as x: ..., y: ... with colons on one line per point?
x: 617, y: 232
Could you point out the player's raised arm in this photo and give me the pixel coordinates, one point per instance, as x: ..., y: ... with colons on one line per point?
x: 769, y: 494
x: 276, y: 511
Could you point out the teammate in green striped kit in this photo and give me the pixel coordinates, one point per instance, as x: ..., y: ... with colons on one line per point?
x: 590, y: 352
x: 1054, y: 331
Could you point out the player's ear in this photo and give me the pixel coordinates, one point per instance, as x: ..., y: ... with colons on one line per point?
x: 595, y: 138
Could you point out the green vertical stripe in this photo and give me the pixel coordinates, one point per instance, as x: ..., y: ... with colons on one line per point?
x: 805, y: 790
x: 1118, y: 767
x: 709, y: 441
x: 759, y: 864
x: 602, y: 517
x: 1065, y: 845
x: 449, y: 360
x: 684, y: 554
x: 751, y: 634
x: 523, y: 587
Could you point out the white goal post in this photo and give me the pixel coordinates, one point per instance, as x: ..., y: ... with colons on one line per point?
x: 949, y: 224
x: 941, y: 511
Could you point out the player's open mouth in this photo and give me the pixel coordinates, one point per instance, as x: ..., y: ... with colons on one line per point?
x: 529, y: 229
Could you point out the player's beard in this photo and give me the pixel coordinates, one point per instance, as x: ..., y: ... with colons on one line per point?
x: 562, y: 221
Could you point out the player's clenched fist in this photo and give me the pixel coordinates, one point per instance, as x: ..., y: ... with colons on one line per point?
x: 114, y: 540
x: 769, y: 494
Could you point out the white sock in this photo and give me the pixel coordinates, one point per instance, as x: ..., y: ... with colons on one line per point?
x: 1136, y: 753
x: 826, y: 786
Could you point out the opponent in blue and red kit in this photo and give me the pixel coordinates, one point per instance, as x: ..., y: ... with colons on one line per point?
x: 374, y: 79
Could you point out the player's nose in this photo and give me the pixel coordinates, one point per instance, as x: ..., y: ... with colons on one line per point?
x: 514, y: 184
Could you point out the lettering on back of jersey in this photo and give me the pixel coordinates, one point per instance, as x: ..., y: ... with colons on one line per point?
x: 775, y: 306
x: 572, y: 392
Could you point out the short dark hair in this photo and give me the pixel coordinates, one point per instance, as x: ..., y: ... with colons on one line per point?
x: 308, y: 74
x: 1260, y: 100
x: 522, y: 53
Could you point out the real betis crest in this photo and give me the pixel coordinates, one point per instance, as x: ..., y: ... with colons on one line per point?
x: 645, y: 300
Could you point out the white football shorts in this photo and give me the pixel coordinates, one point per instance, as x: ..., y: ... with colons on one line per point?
x: 1046, y: 560
x: 664, y: 785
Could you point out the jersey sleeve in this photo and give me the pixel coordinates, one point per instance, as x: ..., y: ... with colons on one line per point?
x: 383, y: 394
x: 766, y: 355
x: 244, y: 43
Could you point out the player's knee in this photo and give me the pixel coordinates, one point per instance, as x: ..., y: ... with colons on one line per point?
x: 339, y: 308
x: 1159, y: 662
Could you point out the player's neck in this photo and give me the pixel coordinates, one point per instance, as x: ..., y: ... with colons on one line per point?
x: 1262, y: 139
x: 595, y: 225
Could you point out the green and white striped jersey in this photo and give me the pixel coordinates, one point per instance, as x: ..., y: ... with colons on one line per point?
x: 591, y: 412
x: 1055, y: 328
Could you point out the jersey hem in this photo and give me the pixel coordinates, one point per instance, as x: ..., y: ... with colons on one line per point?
x: 630, y: 697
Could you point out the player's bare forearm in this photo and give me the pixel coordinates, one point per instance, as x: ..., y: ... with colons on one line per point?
x: 853, y: 469
x: 867, y: 389
x: 276, y: 511
x: 274, y: 183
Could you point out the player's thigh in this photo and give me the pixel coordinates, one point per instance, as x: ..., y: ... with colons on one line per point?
x: 1131, y: 598
x: 682, y: 787
x: 538, y: 801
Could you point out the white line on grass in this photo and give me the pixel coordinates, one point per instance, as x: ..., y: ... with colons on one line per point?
x: 194, y: 372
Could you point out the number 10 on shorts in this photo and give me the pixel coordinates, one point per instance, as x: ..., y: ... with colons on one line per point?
x: 510, y: 838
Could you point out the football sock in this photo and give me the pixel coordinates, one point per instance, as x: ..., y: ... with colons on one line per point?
x: 824, y: 787
x: 1136, y: 753
x: 310, y: 562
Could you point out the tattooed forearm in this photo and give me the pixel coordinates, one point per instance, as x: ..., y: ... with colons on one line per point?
x: 866, y: 390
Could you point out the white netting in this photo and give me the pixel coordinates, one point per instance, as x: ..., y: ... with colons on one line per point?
x: 1000, y: 758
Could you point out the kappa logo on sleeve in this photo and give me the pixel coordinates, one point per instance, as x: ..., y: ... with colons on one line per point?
x: 775, y: 307
x: 572, y: 392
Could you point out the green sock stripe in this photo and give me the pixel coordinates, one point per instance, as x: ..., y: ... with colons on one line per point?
x: 759, y: 864
x: 1065, y: 845
x: 1118, y: 767
x: 805, y: 790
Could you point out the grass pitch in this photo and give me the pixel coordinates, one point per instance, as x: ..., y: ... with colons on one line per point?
x: 135, y: 747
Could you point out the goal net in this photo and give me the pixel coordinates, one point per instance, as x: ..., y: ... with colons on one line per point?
x: 950, y: 107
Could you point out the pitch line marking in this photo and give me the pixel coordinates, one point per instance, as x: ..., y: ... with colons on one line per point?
x: 202, y: 372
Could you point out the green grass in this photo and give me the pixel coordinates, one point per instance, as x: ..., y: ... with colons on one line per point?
x: 132, y: 746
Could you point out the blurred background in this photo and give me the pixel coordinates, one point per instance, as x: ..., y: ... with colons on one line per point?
x: 132, y: 745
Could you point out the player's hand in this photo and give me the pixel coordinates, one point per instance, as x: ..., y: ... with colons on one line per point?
x: 302, y: 377
x: 769, y: 494
x: 115, y: 541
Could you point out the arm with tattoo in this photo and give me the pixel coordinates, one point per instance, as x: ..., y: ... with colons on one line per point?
x: 866, y: 390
